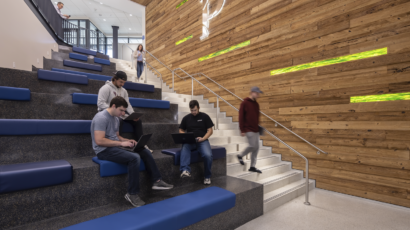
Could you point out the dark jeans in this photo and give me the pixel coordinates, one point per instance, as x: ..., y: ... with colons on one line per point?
x: 204, y: 149
x: 137, y: 125
x: 132, y: 160
x: 140, y: 68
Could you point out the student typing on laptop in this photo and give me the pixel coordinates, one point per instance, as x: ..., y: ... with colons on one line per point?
x: 200, y: 124
x: 106, y: 140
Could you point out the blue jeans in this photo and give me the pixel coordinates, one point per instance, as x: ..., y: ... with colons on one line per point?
x: 140, y: 68
x: 204, y: 149
x: 132, y: 160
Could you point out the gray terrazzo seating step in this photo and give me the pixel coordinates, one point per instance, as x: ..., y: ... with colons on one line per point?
x: 60, y: 107
x: 30, y: 148
x: 28, y: 79
x: 89, y: 190
x: 67, y: 49
x: 60, y: 56
x: 244, y: 210
x: 48, y: 64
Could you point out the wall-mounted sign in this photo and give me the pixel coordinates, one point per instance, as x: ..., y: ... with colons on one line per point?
x: 207, y: 15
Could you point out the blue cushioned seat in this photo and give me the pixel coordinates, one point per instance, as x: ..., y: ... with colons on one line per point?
x: 82, y: 65
x: 217, y: 153
x: 170, y: 214
x: 89, y: 75
x: 84, y: 51
x: 62, y: 77
x: 34, y: 175
x: 78, y: 56
x: 15, y: 94
x: 102, y: 61
x: 91, y: 99
x: 109, y: 168
x: 41, y: 127
x: 128, y: 85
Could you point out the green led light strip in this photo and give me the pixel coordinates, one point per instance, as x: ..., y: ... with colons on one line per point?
x: 243, y: 44
x: 183, y: 40
x: 182, y: 3
x: 352, y: 57
x: 381, y: 97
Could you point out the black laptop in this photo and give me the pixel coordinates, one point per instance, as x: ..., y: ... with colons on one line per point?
x: 184, y: 138
x: 140, y: 145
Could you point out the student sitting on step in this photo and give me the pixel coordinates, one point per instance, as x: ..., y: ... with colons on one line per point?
x: 106, y: 138
x: 201, y: 125
x: 115, y: 88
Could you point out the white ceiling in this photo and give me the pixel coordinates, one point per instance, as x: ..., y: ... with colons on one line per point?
x: 128, y: 15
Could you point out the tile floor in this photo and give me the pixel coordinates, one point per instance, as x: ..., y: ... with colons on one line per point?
x: 334, y: 211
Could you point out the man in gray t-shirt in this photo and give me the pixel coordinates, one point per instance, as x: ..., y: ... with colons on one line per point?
x: 106, y: 138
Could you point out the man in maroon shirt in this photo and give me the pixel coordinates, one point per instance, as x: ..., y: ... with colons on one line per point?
x: 249, y: 125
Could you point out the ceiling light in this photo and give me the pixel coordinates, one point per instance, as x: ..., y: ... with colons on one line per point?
x: 101, y: 3
x: 104, y: 20
x: 130, y: 14
x: 130, y: 28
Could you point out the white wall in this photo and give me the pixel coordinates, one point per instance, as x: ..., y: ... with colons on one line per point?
x: 124, y: 53
x: 23, y: 39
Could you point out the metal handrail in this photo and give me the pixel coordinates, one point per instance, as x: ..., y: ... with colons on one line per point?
x: 276, y: 122
x: 267, y: 131
x: 165, y: 67
x: 162, y: 80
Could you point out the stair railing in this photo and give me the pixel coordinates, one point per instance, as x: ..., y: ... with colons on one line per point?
x: 162, y: 80
x: 267, y: 131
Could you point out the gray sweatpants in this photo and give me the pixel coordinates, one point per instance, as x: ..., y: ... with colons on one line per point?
x: 253, y: 139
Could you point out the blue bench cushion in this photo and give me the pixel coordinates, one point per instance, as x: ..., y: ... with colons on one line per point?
x: 82, y: 65
x: 170, y: 214
x: 34, y: 175
x: 16, y: 94
x: 78, y: 56
x: 84, y: 51
x: 42, y: 127
x: 102, y: 61
x: 91, y: 99
x: 217, y: 153
x: 62, y: 77
x: 128, y: 85
x: 109, y: 168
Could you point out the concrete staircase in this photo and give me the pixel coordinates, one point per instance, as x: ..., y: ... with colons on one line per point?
x: 281, y: 182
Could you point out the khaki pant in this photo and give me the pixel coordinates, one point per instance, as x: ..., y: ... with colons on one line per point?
x: 253, y: 139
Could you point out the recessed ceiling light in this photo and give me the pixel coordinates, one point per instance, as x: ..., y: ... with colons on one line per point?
x: 104, y: 20
x: 101, y: 3
x: 130, y: 28
x: 130, y: 14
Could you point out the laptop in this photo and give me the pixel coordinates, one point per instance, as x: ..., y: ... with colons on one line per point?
x: 140, y: 145
x: 184, y: 138
x: 134, y: 116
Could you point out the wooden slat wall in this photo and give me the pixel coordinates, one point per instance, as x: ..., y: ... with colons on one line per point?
x: 368, y: 143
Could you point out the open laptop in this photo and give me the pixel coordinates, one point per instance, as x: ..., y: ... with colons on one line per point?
x: 140, y: 145
x: 184, y: 138
x: 134, y: 116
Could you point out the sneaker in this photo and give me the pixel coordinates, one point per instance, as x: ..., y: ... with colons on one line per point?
x: 185, y: 174
x: 240, y: 160
x: 207, y: 181
x: 161, y: 185
x: 135, y: 200
x: 149, y: 149
x: 253, y: 169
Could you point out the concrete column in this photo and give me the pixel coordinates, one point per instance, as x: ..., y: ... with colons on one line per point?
x: 115, y: 41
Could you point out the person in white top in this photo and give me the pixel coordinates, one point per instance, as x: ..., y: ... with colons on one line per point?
x: 139, y: 55
x: 60, y: 6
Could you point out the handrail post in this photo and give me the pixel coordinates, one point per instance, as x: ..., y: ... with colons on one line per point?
x: 217, y: 113
x: 145, y: 81
x: 307, y: 183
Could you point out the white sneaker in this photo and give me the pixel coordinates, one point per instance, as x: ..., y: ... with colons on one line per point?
x: 185, y: 174
x: 207, y: 181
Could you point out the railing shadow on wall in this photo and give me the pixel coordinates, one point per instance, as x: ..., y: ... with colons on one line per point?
x: 68, y: 32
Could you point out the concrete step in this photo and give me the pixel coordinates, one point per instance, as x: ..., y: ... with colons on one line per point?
x: 226, y: 132
x: 285, y: 194
x: 188, y: 97
x: 232, y: 126
x: 278, y: 181
x: 230, y: 148
x: 267, y: 171
x: 231, y: 157
x: 237, y: 168
x: 218, y: 140
x: 242, y: 146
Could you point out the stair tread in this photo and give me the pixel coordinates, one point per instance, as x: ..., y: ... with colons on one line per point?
x: 284, y: 190
x: 246, y: 160
x: 264, y: 168
x: 277, y: 177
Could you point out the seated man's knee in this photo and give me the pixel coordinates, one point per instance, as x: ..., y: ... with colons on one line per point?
x: 136, y: 159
